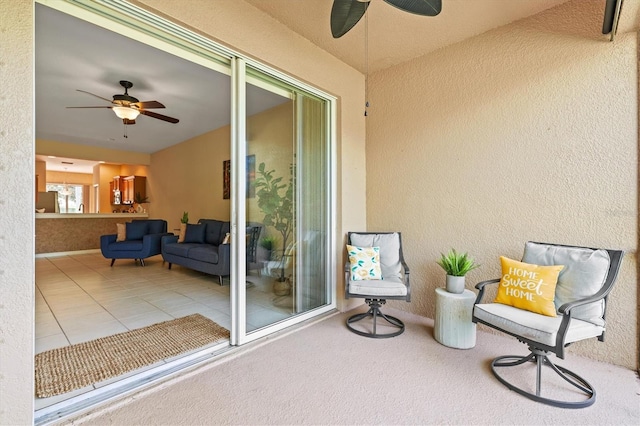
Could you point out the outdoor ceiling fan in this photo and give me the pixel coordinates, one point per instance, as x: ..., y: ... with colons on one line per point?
x: 128, y: 108
x: 345, y: 14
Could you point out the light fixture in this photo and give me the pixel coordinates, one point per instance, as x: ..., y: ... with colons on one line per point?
x: 126, y: 112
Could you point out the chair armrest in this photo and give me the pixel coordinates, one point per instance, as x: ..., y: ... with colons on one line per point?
x: 566, y: 308
x: 105, y: 240
x: 480, y: 287
x: 151, y: 242
x: 405, y: 267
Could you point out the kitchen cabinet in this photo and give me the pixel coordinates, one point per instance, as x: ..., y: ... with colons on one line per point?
x: 130, y: 186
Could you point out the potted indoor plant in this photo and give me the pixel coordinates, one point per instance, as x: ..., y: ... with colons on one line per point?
x: 139, y: 200
x: 275, y: 199
x: 456, y: 265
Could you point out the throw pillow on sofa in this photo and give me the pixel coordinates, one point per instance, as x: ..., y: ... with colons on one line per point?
x: 136, y: 230
x: 194, y: 233
x: 121, y: 232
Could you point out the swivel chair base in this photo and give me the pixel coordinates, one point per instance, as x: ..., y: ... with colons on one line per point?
x: 374, y: 311
x: 540, y: 358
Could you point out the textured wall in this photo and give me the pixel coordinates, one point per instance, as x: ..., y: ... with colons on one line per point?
x: 17, y: 163
x: 527, y: 132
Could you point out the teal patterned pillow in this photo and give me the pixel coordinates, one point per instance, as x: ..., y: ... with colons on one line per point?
x: 365, y: 263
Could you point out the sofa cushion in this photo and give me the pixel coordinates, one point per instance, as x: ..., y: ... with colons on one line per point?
x: 129, y: 245
x: 212, y: 234
x: 178, y: 249
x: 136, y: 230
x: 194, y: 233
x: 204, y: 253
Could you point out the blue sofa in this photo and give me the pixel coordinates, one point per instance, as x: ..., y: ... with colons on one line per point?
x: 202, y: 249
x: 143, y: 239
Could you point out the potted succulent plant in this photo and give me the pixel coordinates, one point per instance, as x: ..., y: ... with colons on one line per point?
x: 456, y: 265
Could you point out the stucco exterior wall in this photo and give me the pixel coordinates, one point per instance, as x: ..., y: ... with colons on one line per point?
x: 17, y: 165
x: 527, y: 132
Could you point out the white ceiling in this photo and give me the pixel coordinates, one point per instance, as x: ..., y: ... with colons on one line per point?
x: 72, y: 54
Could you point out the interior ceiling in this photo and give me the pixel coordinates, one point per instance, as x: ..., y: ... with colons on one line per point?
x: 72, y: 54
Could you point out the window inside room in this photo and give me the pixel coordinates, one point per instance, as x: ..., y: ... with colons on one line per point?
x: 69, y: 197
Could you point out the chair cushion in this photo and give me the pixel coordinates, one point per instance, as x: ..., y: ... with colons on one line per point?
x: 389, y: 251
x: 536, y: 327
x: 156, y: 226
x: 364, y: 263
x: 584, y: 274
x: 526, y: 286
x: 129, y: 245
x: 136, y: 230
x: 194, y: 233
x: 380, y: 288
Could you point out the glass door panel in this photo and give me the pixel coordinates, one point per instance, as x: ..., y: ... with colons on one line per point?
x: 287, y: 201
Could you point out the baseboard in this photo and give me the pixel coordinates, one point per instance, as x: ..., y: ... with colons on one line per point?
x: 67, y: 253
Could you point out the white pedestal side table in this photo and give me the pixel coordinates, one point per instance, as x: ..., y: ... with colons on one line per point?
x: 452, y: 324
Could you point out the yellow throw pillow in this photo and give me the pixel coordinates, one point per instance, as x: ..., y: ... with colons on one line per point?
x: 530, y: 287
x: 122, y: 232
x: 364, y: 263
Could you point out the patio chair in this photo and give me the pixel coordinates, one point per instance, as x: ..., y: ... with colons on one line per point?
x: 376, y: 271
x: 548, y: 320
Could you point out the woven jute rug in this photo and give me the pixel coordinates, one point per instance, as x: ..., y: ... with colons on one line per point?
x: 64, y: 369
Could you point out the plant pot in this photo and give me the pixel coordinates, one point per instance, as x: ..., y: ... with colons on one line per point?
x: 455, y: 284
x: 282, y: 288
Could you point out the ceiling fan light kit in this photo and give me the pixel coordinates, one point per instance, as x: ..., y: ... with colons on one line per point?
x: 126, y: 112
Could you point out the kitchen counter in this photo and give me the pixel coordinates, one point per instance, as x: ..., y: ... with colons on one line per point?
x: 127, y: 216
x: 68, y: 232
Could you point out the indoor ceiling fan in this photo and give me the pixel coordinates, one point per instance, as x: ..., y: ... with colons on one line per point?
x: 346, y: 13
x: 128, y: 108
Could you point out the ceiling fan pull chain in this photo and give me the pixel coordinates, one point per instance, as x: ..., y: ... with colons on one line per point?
x: 366, y: 61
x: 125, y: 131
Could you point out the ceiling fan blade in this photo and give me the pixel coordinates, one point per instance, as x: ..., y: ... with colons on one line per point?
x: 159, y: 116
x: 419, y: 7
x: 99, y: 97
x: 148, y: 105
x: 92, y: 107
x: 345, y: 14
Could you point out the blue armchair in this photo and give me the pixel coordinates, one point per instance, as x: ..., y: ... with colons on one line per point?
x: 141, y: 239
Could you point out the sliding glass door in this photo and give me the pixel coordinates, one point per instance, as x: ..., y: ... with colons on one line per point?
x: 284, y: 197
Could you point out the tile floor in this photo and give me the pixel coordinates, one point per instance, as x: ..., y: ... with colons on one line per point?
x: 81, y: 298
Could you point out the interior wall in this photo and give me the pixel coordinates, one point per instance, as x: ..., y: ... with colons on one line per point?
x: 527, y: 132
x: 189, y: 176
